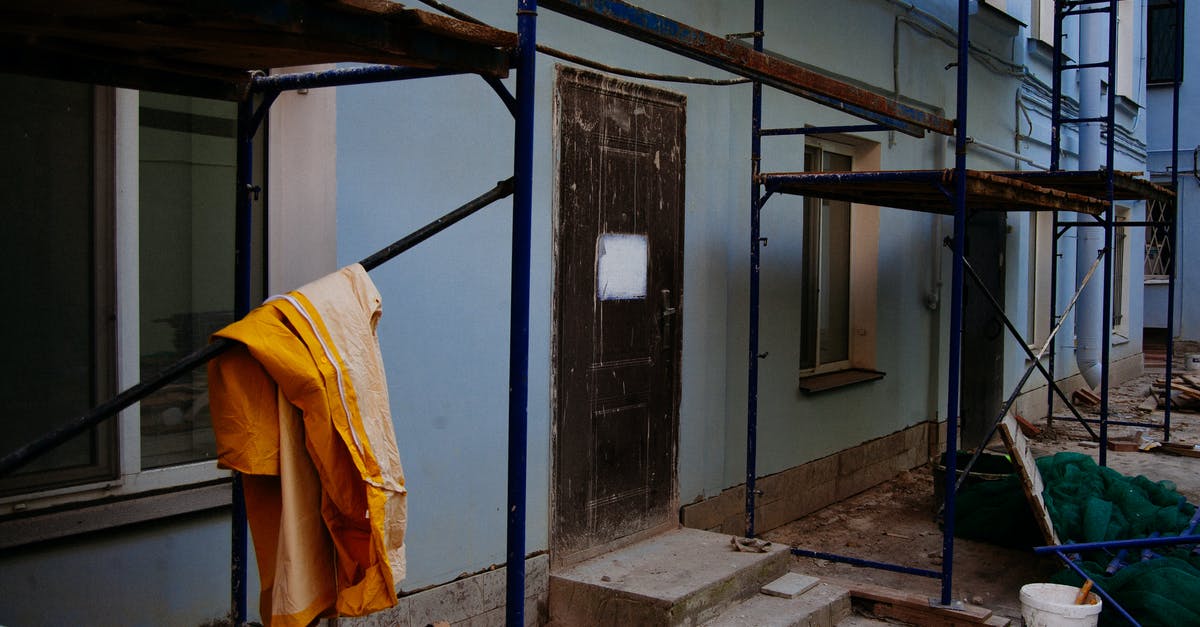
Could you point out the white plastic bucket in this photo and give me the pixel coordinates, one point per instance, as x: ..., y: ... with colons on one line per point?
x: 1053, y: 605
x: 1192, y: 363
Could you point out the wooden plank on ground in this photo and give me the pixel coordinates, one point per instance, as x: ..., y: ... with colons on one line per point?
x: 1175, y: 448
x: 910, y: 607
x: 1031, y: 478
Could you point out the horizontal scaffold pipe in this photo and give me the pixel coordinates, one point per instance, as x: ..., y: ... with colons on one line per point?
x: 111, y: 407
x: 658, y: 30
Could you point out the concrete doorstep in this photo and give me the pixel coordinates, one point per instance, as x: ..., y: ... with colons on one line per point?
x: 692, y: 577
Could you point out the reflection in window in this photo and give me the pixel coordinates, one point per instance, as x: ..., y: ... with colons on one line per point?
x: 56, y: 366
x: 186, y: 223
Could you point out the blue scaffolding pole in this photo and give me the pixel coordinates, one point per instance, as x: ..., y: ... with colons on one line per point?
x: 956, y: 302
x: 518, y: 370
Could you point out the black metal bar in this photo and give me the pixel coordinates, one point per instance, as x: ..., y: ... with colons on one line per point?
x: 953, y: 484
x: 109, y: 408
x: 1139, y: 223
x: 501, y: 190
x: 755, y: 256
x: 821, y: 130
x: 844, y: 559
x: 518, y: 321
x: 1084, y: 66
x: 1110, y: 148
x: 1173, y: 216
x: 1121, y: 423
x: 1056, y: 79
x: 505, y: 96
x: 1085, y: 11
x: 1083, y: 120
x: 248, y: 120
x: 26, y: 453
x: 954, y: 359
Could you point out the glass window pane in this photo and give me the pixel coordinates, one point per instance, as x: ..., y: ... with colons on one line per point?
x: 186, y: 224
x: 835, y: 282
x: 1160, y: 43
x: 825, y: 280
x: 51, y: 373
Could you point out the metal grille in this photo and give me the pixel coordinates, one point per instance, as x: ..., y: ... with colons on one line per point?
x: 1159, y: 255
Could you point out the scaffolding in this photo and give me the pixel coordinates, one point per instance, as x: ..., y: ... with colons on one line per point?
x: 122, y: 44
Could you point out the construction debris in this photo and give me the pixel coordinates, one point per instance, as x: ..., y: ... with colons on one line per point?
x: 749, y: 545
x: 1084, y: 396
x: 1185, y: 391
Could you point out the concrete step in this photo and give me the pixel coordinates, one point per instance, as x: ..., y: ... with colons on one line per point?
x: 823, y: 605
x: 683, y: 577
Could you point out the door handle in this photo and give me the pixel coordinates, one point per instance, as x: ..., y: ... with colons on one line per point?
x: 666, y: 316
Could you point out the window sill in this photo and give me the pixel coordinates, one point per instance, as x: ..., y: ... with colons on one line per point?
x: 816, y: 383
x: 19, y: 530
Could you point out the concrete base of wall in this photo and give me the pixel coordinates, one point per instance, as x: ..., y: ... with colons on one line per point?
x: 1031, y: 405
x: 474, y: 601
x: 806, y: 488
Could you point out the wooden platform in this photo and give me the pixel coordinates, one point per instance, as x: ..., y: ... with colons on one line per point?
x: 930, y: 191
x: 208, y: 47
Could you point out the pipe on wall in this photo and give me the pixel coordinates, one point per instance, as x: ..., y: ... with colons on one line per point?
x: 1089, y: 337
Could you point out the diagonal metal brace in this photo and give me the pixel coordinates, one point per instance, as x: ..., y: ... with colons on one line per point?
x: 1028, y: 371
x: 975, y: 278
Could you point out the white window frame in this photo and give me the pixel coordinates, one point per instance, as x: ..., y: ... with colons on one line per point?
x: 1042, y: 27
x: 1121, y: 286
x: 864, y: 258
x: 1041, y: 229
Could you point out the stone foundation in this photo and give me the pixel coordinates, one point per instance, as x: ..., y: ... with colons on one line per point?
x: 806, y: 488
x: 472, y: 601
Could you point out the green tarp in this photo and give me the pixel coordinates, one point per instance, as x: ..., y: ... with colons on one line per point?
x: 1088, y: 503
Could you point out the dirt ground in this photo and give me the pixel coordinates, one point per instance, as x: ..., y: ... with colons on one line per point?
x: 895, y: 522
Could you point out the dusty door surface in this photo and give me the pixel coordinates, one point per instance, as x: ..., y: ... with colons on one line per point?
x: 618, y: 284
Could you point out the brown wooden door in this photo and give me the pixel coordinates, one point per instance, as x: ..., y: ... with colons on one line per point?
x: 618, y: 295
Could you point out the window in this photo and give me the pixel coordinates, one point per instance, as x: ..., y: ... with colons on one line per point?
x: 1160, y: 42
x: 1126, y: 57
x: 1041, y: 227
x: 825, y: 295
x: 120, y: 208
x: 1158, y: 255
x: 838, y: 272
x: 59, y: 361
x: 1120, y: 263
x: 1042, y: 27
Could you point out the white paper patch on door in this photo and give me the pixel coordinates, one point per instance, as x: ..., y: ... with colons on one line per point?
x: 620, y: 266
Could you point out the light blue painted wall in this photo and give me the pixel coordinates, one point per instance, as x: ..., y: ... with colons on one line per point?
x: 171, y: 572
x: 1187, y: 309
x: 444, y: 331
x: 409, y: 152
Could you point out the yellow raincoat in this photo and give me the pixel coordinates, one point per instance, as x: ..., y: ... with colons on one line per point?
x: 300, y: 408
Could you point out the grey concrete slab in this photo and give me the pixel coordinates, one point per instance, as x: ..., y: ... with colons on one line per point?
x: 790, y: 586
x: 682, y: 577
x: 823, y: 606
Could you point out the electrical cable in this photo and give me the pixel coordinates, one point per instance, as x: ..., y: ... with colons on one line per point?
x: 596, y: 65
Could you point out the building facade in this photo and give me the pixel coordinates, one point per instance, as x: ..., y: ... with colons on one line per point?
x: 632, y: 176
